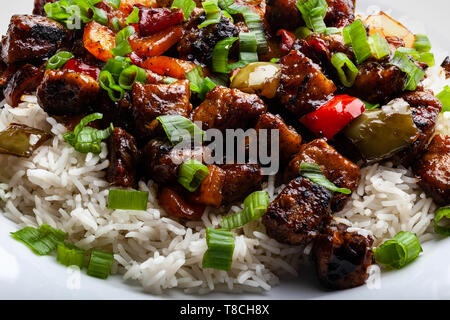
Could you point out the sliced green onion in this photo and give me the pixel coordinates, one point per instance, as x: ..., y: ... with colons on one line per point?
x: 441, y: 221
x: 213, y: 13
x: 100, y: 16
x: 220, y: 249
x: 115, y: 22
x: 220, y: 55
x: 199, y: 83
x: 398, y: 252
x: 100, y: 264
x: 124, y: 34
x: 131, y: 75
x: 313, y: 13
x: 191, y: 174
x: 70, y: 255
x: 370, y: 106
x: 58, y: 60
x: 331, y: 30
x: 178, y: 128
x: 114, y: 3
x: 42, y: 240
x: 133, y: 17
x: 345, y: 68
x: 127, y: 200
x: 248, y: 47
x: 313, y: 172
x: 426, y: 57
x: 275, y: 60
x: 187, y: 6
x: 122, y: 45
x: 356, y: 35
x: 379, y: 46
x: 116, y: 66
x: 107, y: 82
x: 444, y: 96
x: 415, y: 74
x: 255, y: 206
x: 302, y: 32
x: 87, y: 139
x: 422, y: 43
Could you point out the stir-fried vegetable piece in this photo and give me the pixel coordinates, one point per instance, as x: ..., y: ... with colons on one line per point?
x: 422, y: 43
x: 70, y: 255
x: 333, y: 116
x: 398, y: 252
x: 302, y: 32
x: 42, y: 240
x: 199, y: 83
x: 255, y: 206
x: 81, y: 67
x: 415, y: 74
x: 123, y: 47
x: 130, y: 75
x: 355, y: 35
x: 220, y: 55
x: 99, y: 40
x: 153, y: 20
x: 379, y: 46
x: 21, y: 140
x: 58, y: 60
x: 426, y: 57
x: 261, y: 78
x: 220, y: 249
x: 213, y: 13
x: 114, y: 3
x: 382, y: 132
x: 191, y: 174
x: 441, y: 221
x: 179, y: 128
x: 345, y: 68
x: 186, y: 5
x: 100, y: 264
x: 314, y: 173
x: 133, y: 18
x: 157, y: 43
x: 87, y: 139
x: 444, y: 96
x: 127, y: 199
x: 313, y: 12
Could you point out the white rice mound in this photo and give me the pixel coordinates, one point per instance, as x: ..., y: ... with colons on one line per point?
x: 67, y: 190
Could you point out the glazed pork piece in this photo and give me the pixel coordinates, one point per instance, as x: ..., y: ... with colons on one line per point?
x: 433, y: 170
x: 226, y: 108
x: 153, y: 100
x: 124, y: 159
x: 425, y: 109
x: 340, y: 13
x: 197, y: 44
x: 336, y: 168
x: 378, y: 82
x: 210, y: 191
x: 342, y: 259
x: 299, y: 213
x: 26, y: 79
x: 289, y: 140
x: 303, y: 87
x: 240, y: 180
x: 64, y: 92
x: 176, y: 205
x: 32, y: 38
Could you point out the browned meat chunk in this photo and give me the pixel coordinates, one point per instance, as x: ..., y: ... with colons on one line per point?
x: 303, y: 87
x: 339, y: 170
x: 198, y: 44
x: 342, y: 259
x: 39, y: 6
x: 64, y: 92
x: 299, y: 212
x: 340, y: 13
x: 446, y: 66
x: 120, y: 113
x: 210, y: 191
x: 425, y: 109
x: 289, y: 142
x: 123, y: 159
x: 433, y: 170
x: 284, y: 14
x: 240, y: 180
x: 378, y: 82
x: 32, y: 38
x: 26, y: 79
x: 176, y: 206
x: 226, y: 108
x: 153, y: 100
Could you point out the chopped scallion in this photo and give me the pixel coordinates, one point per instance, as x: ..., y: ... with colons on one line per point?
x: 441, y: 221
x: 313, y: 12
x: 179, y: 128
x: 422, y: 43
x: 131, y: 75
x: 444, y: 96
x: 187, y: 6
x: 133, y: 17
x: 313, y: 172
x: 220, y: 249
x: 213, y: 13
x: 127, y: 200
x: 191, y: 174
x: 199, y: 83
x: 398, y: 252
x: 100, y: 264
x: 415, y: 74
x: 42, y: 240
x: 379, y: 46
x: 345, y: 68
x: 58, y: 60
x: 356, y: 35
x: 70, y: 255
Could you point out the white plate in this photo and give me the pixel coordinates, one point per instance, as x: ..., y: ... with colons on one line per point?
x: 24, y: 275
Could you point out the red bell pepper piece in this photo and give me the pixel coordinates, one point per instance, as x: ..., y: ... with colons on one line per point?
x: 287, y: 40
x: 153, y: 20
x: 333, y: 116
x: 81, y: 67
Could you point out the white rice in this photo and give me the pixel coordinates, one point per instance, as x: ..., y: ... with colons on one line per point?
x: 67, y: 190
